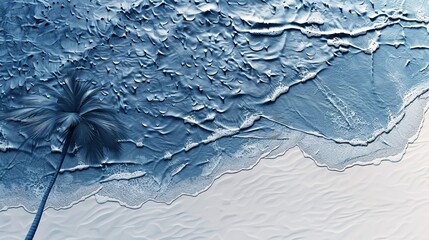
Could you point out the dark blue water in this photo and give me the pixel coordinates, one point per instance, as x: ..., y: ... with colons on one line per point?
x: 208, y: 87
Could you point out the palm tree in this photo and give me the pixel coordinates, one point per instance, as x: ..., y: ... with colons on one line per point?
x: 78, y: 117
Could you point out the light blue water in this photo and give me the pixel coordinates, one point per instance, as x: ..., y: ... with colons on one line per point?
x: 208, y: 87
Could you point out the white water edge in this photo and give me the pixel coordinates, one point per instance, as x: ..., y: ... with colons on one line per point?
x: 287, y: 197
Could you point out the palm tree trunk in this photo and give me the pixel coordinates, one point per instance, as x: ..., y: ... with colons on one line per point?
x: 39, y: 213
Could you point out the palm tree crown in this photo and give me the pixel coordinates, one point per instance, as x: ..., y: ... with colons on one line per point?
x: 76, y: 109
x: 78, y: 116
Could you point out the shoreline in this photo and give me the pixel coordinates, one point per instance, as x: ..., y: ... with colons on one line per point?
x: 284, y: 197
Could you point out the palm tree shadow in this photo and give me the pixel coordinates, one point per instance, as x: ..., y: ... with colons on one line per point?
x: 76, y: 115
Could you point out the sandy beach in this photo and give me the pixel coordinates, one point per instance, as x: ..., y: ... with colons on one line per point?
x: 287, y: 197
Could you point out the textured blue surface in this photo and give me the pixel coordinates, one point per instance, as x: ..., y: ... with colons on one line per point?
x: 211, y: 87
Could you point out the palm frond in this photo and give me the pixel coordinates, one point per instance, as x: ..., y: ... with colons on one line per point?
x: 37, y: 123
x: 76, y: 107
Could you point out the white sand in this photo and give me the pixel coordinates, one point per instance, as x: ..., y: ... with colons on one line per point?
x: 284, y: 198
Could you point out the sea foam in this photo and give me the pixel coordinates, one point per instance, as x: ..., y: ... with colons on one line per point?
x: 209, y: 88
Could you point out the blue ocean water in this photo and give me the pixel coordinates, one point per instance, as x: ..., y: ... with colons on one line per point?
x: 210, y: 87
